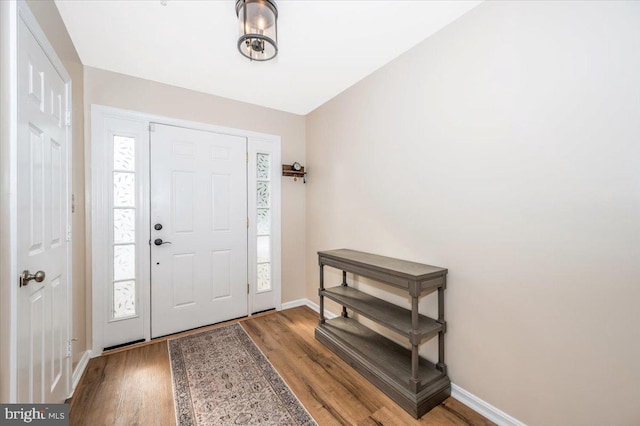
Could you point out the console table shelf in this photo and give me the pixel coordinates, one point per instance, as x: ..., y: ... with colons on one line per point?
x: 416, y: 384
x: 384, y: 313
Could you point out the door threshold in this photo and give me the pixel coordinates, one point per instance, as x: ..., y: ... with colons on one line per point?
x: 122, y: 345
x: 195, y: 329
x: 127, y: 347
x: 264, y: 311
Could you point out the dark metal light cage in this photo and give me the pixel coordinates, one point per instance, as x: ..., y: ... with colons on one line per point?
x: 258, y: 20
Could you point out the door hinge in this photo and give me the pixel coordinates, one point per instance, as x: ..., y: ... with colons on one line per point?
x: 68, y: 233
x: 248, y: 288
x: 68, y: 348
x: 247, y: 222
x: 247, y: 156
x: 67, y: 118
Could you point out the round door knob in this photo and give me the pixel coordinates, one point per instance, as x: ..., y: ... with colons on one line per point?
x: 26, y: 276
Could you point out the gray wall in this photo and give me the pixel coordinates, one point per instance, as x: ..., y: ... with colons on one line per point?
x: 505, y: 148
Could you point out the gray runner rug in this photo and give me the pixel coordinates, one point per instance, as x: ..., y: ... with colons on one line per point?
x: 220, y: 377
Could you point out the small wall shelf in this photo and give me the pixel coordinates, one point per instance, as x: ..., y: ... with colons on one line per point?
x: 288, y: 170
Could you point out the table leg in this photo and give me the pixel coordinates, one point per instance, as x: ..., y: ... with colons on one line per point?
x: 415, y: 357
x: 441, y: 365
x: 322, y: 319
x: 344, y: 284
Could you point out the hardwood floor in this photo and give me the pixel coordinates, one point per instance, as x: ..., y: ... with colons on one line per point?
x: 133, y: 387
x: 126, y: 388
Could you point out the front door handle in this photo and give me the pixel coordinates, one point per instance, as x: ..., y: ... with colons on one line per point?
x: 159, y: 242
x: 26, y: 276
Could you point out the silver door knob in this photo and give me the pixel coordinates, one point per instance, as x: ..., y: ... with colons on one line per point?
x: 26, y: 276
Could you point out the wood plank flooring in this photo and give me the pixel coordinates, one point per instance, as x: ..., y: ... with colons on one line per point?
x: 133, y: 387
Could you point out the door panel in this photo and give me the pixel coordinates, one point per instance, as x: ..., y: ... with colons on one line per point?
x: 56, y: 180
x: 221, y: 273
x: 183, y: 201
x: 199, y: 197
x: 221, y: 202
x: 184, y: 273
x: 43, y: 366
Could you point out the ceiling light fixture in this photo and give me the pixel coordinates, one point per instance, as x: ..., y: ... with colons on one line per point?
x: 258, y: 21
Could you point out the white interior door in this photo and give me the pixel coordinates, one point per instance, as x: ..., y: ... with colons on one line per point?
x: 199, y: 251
x: 43, y: 367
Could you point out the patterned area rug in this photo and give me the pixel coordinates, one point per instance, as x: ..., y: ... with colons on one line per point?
x: 220, y: 377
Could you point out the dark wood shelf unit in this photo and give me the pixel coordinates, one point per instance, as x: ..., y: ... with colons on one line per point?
x: 416, y: 384
x: 410, y: 276
x: 385, y: 364
x: 384, y: 313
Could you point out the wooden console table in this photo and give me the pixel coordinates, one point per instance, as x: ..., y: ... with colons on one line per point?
x: 416, y: 384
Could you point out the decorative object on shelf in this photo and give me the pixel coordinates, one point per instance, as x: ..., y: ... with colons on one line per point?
x: 258, y: 20
x: 295, y: 170
x: 414, y: 383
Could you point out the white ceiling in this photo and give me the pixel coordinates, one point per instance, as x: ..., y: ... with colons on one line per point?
x: 324, y: 46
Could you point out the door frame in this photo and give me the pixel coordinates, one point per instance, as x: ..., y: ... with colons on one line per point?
x: 96, y: 178
x: 10, y: 14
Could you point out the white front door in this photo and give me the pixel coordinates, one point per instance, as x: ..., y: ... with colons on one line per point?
x: 43, y: 367
x: 198, y: 228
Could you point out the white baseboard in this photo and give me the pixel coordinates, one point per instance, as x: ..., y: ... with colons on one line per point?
x: 79, y: 370
x: 492, y: 413
x: 294, y: 304
x: 467, y: 398
x: 311, y: 305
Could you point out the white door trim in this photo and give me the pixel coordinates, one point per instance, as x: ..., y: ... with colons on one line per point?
x: 95, y: 179
x: 8, y: 202
x: 10, y: 13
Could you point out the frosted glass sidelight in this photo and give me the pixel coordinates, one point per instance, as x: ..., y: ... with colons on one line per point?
x: 124, y: 153
x: 264, y: 276
x: 124, y: 189
x: 263, y: 194
x: 124, y: 299
x: 124, y: 227
x: 264, y: 222
x: 264, y: 249
x: 263, y: 228
x: 264, y: 166
x: 124, y: 262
